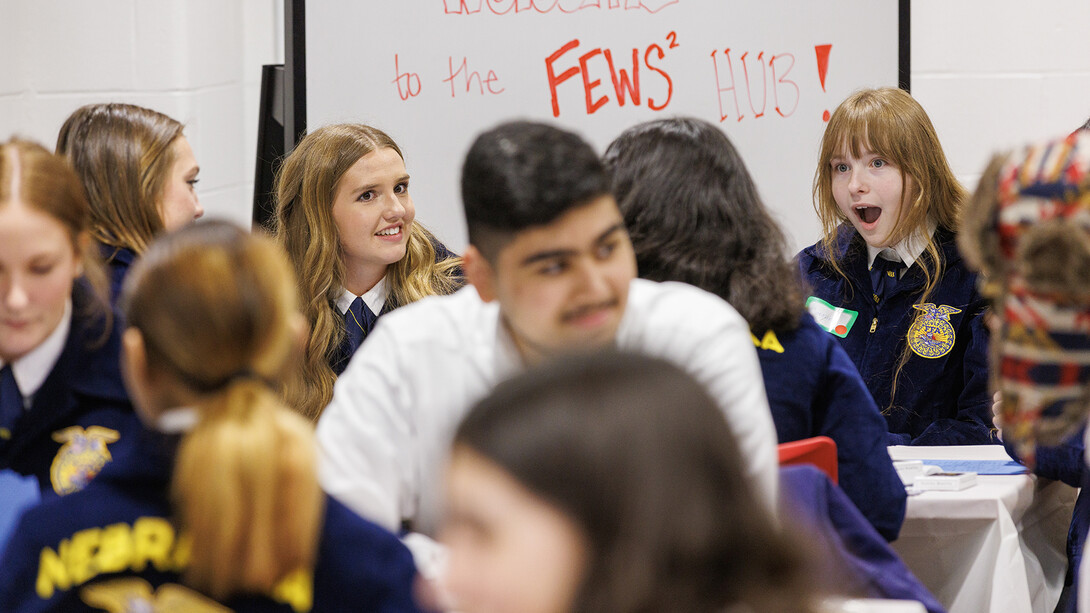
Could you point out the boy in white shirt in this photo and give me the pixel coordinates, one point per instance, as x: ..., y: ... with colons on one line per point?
x: 552, y: 272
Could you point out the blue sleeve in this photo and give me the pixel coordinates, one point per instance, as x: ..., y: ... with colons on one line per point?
x: 19, y: 563
x: 898, y: 438
x: 855, y: 559
x: 866, y: 473
x: 357, y: 553
x: 20, y: 493
x: 973, y: 425
x: 1064, y: 462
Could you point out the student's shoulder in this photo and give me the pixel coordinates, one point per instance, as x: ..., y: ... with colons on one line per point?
x: 810, y: 334
x: 58, y: 518
x: 456, y: 319
x: 361, y: 564
x: 351, y: 544
x: 807, y: 341
x: 804, y: 353
x: 956, y: 271
x: 442, y: 253
x: 673, y: 305
x: 90, y: 360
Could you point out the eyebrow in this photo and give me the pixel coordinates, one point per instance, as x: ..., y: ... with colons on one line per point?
x: 561, y: 253
x: 371, y: 186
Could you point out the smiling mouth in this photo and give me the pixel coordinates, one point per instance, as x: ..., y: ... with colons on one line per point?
x: 868, y: 214
x: 389, y: 232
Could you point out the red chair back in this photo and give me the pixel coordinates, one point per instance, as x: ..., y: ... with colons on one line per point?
x: 819, y: 451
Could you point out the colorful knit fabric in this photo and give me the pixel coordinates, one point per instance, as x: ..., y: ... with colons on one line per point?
x: 1041, y: 358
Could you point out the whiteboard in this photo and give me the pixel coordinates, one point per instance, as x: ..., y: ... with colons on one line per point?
x: 435, y: 73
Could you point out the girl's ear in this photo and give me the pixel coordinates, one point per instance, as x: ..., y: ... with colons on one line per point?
x: 478, y: 272
x: 134, y: 369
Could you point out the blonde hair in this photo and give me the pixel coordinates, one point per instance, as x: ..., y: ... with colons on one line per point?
x: 215, y: 307
x: 305, y: 188
x: 47, y: 184
x: 890, y: 123
x: 123, y: 155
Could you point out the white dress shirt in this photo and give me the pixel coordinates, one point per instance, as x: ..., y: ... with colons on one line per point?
x: 385, y: 438
x: 374, y: 298
x: 907, y: 251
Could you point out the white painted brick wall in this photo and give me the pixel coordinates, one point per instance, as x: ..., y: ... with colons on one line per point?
x: 995, y: 74
x: 198, y: 61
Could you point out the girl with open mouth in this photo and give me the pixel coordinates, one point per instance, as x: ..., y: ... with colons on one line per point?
x: 887, y: 278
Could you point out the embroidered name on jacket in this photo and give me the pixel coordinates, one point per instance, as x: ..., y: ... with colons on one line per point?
x: 79, y: 459
x: 110, y: 549
x: 931, y: 335
x: 149, y: 541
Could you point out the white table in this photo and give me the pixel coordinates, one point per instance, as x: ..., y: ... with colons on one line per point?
x: 997, y: 546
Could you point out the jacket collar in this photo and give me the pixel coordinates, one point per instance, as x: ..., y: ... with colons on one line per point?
x: 88, y: 370
x: 852, y: 254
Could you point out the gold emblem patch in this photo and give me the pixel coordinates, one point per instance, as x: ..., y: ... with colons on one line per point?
x: 135, y: 595
x: 931, y: 335
x: 79, y: 459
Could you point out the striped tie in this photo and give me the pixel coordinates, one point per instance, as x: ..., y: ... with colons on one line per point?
x: 358, y: 321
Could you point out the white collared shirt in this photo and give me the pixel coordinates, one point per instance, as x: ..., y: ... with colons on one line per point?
x: 908, y: 250
x: 177, y: 420
x: 31, y: 370
x: 385, y: 437
x: 374, y: 298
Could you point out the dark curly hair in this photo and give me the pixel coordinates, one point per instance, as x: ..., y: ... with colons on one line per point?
x: 694, y: 215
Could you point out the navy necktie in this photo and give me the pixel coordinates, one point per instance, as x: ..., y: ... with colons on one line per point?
x: 11, y: 402
x: 358, y: 321
x: 884, y: 275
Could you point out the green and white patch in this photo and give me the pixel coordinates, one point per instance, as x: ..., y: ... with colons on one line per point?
x: 833, y: 319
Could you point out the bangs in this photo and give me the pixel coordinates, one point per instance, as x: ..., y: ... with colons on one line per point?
x: 868, y: 124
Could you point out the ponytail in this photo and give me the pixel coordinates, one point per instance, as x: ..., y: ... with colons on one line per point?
x: 215, y: 306
x: 253, y: 517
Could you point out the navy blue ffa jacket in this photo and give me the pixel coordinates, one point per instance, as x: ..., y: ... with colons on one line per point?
x: 855, y: 560
x: 338, y: 361
x: 118, y: 260
x: 942, y: 393
x: 81, y: 414
x: 815, y: 390
x: 113, y: 544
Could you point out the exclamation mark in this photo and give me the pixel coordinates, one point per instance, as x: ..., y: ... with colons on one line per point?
x: 822, y: 52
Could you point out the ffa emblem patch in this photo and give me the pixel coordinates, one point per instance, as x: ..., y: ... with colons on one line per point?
x: 79, y: 459
x: 135, y: 595
x: 931, y: 335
